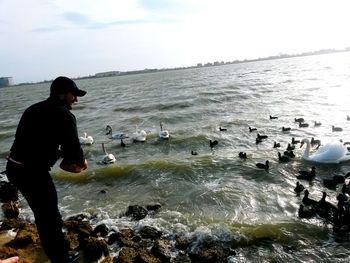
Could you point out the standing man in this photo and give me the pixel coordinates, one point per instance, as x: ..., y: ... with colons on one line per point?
x: 47, y: 131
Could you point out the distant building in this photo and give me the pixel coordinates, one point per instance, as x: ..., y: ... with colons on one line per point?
x: 107, y: 74
x: 6, y: 81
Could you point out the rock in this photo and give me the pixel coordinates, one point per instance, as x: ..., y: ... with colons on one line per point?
x: 136, y: 239
x: 181, y: 258
x: 126, y: 255
x: 12, y: 223
x: 145, y: 256
x: 153, y: 207
x: 215, y: 254
x: 107, y: 259
x: 6, y: 252
x: 72, y: 240
x: 78, y: 217
x: 82, y: 228
x: 25, y: 236
x: 10, y: 209
x: 8, y: 192
x: 161, y: 250
x: 136, y: 212
x: 95, y: 248
x: 100, y: 230
x: 150, y: 232
x: 124, y: 238
x: 182, y: 243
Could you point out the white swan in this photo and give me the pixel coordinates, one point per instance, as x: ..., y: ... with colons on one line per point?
x: 86, y: 140
x: 139, y: 135
x: 108, y: 157
x: 163, y: 134
x: 115, y: 136
x: 329, y: 153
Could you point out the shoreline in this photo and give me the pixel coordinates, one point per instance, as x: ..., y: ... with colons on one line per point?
x: 199, y: 65
x: 100, y: 244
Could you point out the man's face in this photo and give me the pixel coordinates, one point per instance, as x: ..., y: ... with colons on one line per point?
x: 70, y: 98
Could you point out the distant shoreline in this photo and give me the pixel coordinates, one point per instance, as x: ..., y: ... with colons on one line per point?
x: 199, y: 65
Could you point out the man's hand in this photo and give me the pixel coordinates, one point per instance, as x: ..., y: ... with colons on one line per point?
x: 73, y: 168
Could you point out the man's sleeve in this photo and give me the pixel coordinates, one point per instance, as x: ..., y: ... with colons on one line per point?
x: 70, y: 146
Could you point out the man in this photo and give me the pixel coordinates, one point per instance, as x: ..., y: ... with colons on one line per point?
x: 47, y: 131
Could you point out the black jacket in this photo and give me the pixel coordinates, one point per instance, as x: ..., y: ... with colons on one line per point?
x: 47, y: 131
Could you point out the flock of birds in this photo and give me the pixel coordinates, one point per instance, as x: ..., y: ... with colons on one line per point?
x: 336, y: 152
x: 137, y: 136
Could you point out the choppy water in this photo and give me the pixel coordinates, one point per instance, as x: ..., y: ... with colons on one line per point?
x: 214, y: 193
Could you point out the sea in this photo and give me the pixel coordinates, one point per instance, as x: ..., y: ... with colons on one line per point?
x: 215, y: 194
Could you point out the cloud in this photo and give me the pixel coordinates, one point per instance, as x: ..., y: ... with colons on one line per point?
x: 77, y: 18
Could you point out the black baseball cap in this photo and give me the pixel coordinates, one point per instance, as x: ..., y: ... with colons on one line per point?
x: 63, y: 85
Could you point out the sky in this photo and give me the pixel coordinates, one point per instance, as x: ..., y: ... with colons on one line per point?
x: 42, y: 39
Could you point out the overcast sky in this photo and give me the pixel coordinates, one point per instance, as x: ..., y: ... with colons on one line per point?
x: 41, y: 39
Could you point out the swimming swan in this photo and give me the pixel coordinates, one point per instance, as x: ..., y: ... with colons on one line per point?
x: 108, y: 157
x: 86, y: 140
x: 163, y: 134
x: 139, y: 135
x: 115, y: 136
x: 329, y: 153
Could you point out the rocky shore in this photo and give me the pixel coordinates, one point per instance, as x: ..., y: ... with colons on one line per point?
x: 98, y: 243
x: 143, y: 243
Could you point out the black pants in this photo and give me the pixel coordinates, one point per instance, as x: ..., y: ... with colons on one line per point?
x: 39, y: 190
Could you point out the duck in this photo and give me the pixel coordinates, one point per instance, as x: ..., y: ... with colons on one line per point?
x: 336, y: 129
x: 306, y: 213
x: 276, y: 144
x: 308, y: 201
x: 252, y: 129
x: 286, y: 129
x: 139, y: 135
x: 344, y: 143
x: 317, y: 123
x: 86, y: 140
x: 258, y: 140
x: 329, y: 153
x: 315, y: 142
x: 108, y: 158
x: 242, y: 155
x: 299, y: 187
x: 264, y: 166
x: 299, y: 120
x: 307, y: 175
x: 163, y: 134
x: 324, y: 208
x: 289, y: 153
x: 342, y: 196
x: 290, y: 147
x: 303, y: 125
x: 115, y: 136
x: 294, y: 141
x: 347, y: 188
x: 273, y: 117
x: 261, y: 136
x: 348, y: 118
x: 213, y: 143
x: 335, y: 180
x: 222, y: 129
x: 194, y: 153
x: 283, y: 158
